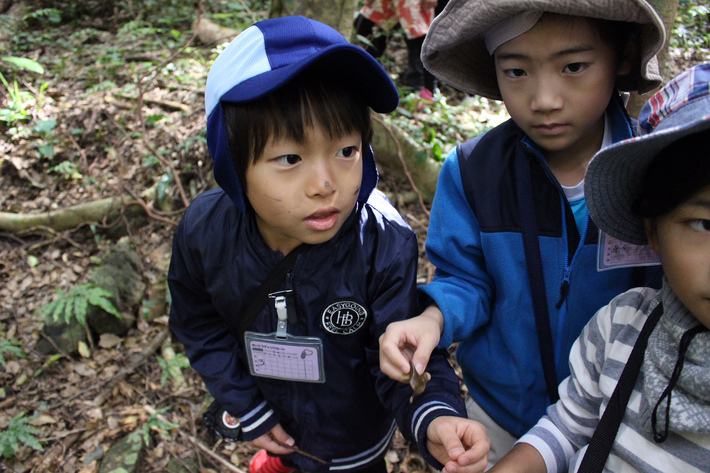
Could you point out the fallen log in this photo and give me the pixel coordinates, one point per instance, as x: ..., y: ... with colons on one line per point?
x: 94, y: 212
x: 396, y: 152
x: 67, y: 218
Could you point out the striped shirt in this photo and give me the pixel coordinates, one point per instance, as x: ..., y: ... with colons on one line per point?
x: 596, y: 361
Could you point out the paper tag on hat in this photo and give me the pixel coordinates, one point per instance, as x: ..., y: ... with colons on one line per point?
x: 614, y: 253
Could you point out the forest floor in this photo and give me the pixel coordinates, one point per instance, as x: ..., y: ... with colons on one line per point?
x: 120, y: 139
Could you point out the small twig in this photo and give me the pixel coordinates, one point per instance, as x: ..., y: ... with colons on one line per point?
x: 139, y: 112
x: 299, y: 451
x: 82, y: 154
x: 52, y: 232
x: 52, y: 458
x: 251, y: 13
x: 156, y: 69
x: 59, y: 350
x: 63, y: 435
x: 10, y: 236
x: 89, y: 338
x: 149, y: 212
x: 404, y: 164
x: 210, y: 453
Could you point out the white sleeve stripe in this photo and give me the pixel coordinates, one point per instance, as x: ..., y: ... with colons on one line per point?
x: 261, y: 420
x: 424, y: 414
x: 253, y: 412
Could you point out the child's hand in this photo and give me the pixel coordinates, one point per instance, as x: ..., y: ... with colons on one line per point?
x: 412, y: 339
x: 271, y: 439
x: 461, y: 445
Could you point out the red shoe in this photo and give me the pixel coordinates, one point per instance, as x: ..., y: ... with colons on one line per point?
x: 263, y: 463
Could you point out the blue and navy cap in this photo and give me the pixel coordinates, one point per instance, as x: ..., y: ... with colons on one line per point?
x: 268, y: 55
x: 613, y: 180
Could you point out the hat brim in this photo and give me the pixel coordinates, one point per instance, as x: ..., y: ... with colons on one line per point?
x: 614, y: 176
x: 347, y: 63
x: 455, y: 51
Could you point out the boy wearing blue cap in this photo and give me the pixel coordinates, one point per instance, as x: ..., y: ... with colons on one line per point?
x: 638, y: 398
x: 283, y: 279
x: 516, y: 255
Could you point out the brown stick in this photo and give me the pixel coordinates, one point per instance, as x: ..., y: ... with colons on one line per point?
x: 299, y: 451
x: 211, y: 454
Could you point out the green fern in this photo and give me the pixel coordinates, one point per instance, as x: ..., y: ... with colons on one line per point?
x: 75, y: 302
x: 18, y: 430
x: 174, y: 366
x: 157, y: 423
x: 10, y: 346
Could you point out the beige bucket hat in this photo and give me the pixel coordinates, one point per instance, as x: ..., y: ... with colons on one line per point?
x: 455, y: 50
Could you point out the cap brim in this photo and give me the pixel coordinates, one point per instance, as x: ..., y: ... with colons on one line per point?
x: 614, y: 176
x: 349, y: 64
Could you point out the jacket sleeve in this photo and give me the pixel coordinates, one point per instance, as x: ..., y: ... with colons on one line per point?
x: 396, y: 300
x: 462, y: 287
x: 209, y: 345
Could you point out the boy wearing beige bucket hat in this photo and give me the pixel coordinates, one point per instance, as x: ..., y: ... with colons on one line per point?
x: 510, y: 235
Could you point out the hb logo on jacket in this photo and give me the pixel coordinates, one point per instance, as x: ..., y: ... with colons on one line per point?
x: 344, y: 317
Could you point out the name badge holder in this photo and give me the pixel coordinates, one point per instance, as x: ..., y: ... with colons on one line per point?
x: 280, y: 355
x: 614, y: 253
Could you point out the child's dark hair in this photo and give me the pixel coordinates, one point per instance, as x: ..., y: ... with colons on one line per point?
x: 677, y: 173
x: 314, y: 98
x: 625, y: 39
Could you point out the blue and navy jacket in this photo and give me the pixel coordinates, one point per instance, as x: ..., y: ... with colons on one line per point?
x: 481, y: 282
x: 219, y: 261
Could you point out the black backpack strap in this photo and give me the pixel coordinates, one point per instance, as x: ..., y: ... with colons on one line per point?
x: 533, y: 260
x: 261, y: 296
x: 529, y: 229
x: 603, y: 438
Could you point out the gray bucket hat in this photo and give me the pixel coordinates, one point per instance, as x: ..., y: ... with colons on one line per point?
x: 612, y: 182
x: 455, y: 50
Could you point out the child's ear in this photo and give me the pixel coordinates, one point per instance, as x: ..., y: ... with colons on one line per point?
x: 627, y: 58
x: 649, y: 224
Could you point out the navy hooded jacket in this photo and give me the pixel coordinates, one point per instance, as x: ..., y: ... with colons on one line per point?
x: 368, y: 268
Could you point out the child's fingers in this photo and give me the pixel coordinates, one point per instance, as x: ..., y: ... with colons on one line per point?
x: 393, y: 361
x: 477, y: 447
x: 276, y: 441
x: 426, y: 344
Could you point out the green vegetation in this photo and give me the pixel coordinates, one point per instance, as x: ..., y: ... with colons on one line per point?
x: 692, y: 27
x: 75, y: 302
x: 20, y: 102
x: 156, y: 423
x: 18, y: 430
x: 10, y: 346
x: 173, y: 367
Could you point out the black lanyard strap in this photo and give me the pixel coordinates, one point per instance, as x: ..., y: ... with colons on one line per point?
x: 603, y: 439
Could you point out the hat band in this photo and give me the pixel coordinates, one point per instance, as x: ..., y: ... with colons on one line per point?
x: 509, y: 29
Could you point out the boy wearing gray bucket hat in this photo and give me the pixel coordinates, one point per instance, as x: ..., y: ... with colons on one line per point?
x: 509, y: 233
x: 654, y: 189
x: 283, y: 279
